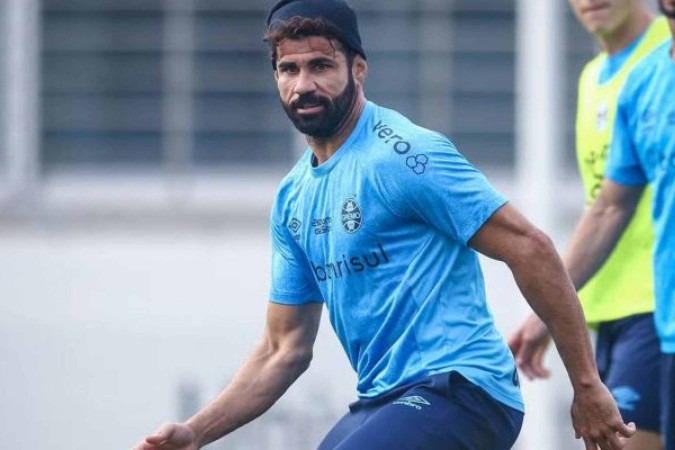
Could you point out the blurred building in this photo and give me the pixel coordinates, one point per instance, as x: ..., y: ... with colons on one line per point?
x: 183, y: 87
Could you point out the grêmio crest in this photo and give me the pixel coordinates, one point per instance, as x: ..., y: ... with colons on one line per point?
x: 351, y: 215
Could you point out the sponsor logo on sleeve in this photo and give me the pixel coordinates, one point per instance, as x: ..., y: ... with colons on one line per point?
x: 389, y: 136
x: 415, y: 162
x: 418, y: 163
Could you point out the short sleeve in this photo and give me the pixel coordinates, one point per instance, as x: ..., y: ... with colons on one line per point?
x: 623, y: 164
x: 292, y: 282
x: 438, y: 186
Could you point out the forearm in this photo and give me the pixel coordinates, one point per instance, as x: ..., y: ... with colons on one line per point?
x: 593, y: 240
x: 543, y: 280
x: 266, y: 374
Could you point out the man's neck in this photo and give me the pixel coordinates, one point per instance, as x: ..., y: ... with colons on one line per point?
x: 625, y: 34
x: 324, y: 148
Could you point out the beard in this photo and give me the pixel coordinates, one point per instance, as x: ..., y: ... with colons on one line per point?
x: 327, y: 122
x: 669, y: 12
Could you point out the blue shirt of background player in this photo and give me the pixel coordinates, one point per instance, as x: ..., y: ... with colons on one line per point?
x: 379, y: 232
x: 643, y: 151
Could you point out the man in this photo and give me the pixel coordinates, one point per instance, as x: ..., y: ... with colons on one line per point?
x: 642, y: 152
x: 619, y: 300
x: 378, y: 220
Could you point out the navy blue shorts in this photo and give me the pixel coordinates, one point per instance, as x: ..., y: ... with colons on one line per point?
x: 668, y: 399
x: 441, y: 412
x: 629, y: 358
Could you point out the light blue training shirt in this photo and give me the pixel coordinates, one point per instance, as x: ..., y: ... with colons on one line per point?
x: 643, y: 151
x: 379, y: 233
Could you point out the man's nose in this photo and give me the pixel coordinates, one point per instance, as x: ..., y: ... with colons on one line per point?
x: 305, y: 83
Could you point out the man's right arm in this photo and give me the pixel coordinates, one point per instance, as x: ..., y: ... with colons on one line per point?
x: 593, y: 240
x: 283, y: 354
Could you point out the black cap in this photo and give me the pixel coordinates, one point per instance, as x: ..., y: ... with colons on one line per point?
x: 337, y: 12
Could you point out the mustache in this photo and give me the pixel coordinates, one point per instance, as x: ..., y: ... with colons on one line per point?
x: 310, y: 99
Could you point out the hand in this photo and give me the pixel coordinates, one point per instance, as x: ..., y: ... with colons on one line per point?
x: 529, y: 344
x: 597, y: 420
x: 170, y: 436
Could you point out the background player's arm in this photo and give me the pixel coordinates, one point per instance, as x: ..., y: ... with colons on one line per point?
x: 593, y: 240
x: 599, y: 230
x: 283, y: 354
x: 539, y: 272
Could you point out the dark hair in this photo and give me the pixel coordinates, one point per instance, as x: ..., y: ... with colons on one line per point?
x: 302, y: 27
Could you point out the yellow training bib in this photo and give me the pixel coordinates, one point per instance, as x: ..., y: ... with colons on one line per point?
x: 624, y: 285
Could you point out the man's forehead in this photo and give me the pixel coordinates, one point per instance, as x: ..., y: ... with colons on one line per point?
x: 317, y: 45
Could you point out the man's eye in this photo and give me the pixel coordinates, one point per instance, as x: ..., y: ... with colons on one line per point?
x: 287, y: 69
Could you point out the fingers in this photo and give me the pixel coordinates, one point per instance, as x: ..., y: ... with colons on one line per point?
x: 528, y: 345
x: 155, y: 441
x: 144, y: 446
x: 614, y: 439
x: 515, y: 341
x: 589, y: 444
x: 526, y: 360
x: 538, y: 364
x: 516, y: 344
x: 614, y: 442
x: 627, y: 430
x: 602, y: 443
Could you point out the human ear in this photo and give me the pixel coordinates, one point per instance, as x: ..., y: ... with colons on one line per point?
x: 360, y: 69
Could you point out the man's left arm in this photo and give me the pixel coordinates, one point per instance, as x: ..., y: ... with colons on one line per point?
x: 539, y: 272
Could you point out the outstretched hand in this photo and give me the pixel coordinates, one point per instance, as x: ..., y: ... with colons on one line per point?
x: 528, y: 345
x: 597, y: 420
x: 170, y: 436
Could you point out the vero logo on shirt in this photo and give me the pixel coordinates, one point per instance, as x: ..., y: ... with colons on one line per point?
x: 417, y: 163
x: 387, y: 134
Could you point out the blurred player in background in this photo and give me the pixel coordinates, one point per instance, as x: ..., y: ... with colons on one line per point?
x: 611, y: 254
x: 380, y: 219
x: 619, y: 300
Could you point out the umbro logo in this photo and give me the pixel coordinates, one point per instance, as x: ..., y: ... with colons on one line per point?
x: 294, y: 225
x: 626, y: 397
x: 414, y: 401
